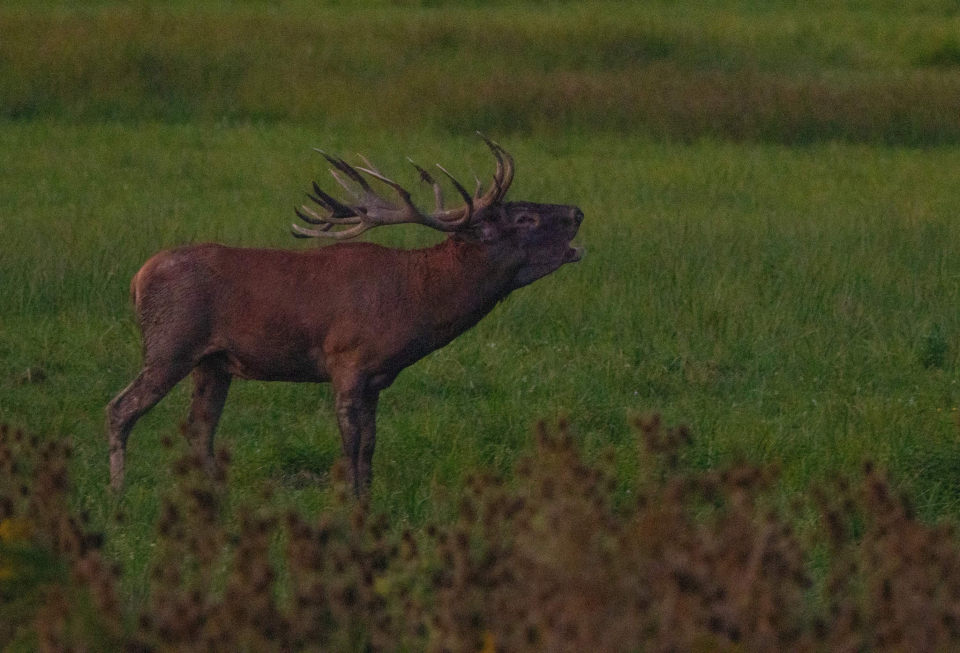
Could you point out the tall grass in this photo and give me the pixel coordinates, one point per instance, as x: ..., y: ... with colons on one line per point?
x: 784, y: 74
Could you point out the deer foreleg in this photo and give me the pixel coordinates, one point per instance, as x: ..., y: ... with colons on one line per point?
x: 368, y: 439
x: 356, y: 414
x: 211, y: 381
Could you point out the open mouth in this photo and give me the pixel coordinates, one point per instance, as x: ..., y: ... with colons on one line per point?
x: 573, y: 254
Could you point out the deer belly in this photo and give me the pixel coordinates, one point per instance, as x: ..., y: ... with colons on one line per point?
x: 295, y: 367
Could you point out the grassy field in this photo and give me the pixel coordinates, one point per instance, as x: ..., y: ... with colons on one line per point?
x: 796, y: 307
x: 795, y: 304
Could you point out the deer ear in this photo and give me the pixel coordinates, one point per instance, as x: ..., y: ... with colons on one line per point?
x: 490, y: 224
x: 489, y: 230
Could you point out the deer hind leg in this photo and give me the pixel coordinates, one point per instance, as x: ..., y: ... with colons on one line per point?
x: 151, y: 385
x: 211, y: 382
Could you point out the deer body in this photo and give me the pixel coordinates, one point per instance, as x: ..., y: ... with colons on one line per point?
x: 278, y: 315
x: 353, y: 314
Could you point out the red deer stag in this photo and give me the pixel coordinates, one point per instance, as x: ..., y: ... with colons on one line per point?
x: 354, y: 314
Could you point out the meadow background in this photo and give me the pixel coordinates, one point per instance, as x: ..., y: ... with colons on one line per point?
x: 770, y: 192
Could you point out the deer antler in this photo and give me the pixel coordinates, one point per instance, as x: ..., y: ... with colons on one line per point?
x: 372, y: 210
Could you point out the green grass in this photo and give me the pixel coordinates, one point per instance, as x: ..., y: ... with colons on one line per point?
x: 796, y: 307
x: 771, y: 258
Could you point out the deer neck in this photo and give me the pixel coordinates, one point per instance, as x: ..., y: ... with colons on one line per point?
x: 462, y: 281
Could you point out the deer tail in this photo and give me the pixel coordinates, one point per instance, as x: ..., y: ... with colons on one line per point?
x: 133, y: 289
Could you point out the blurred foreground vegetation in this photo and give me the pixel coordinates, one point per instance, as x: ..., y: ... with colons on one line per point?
x: 548, y: 562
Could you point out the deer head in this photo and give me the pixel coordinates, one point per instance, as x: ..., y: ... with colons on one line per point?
x: 534, y: 237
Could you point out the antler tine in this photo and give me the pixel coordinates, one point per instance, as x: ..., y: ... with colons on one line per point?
x: 479, y: 186
x: 498, y: 173
x: 346, y: 186
x: 354, y: 175
x: 369, y: 165
x: 437, y: 190
x: 508, y: 171
x: 312, y: 218
x: 502, y: 177
x: 334, y: 217
x: 324, y: 232
x: 309, y: 216
x: 468, y: 213
x: 339, y: 213
x: 317, y: 200
x: 347, y: 169
x: 403, y: 192
x: 337, y: 209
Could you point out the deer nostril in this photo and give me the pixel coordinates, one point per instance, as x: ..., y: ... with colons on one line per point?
x: 577, y: 216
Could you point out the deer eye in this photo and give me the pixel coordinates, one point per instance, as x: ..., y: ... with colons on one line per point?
x: 526, y: 220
